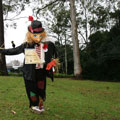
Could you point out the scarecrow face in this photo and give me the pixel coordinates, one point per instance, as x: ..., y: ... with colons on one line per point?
x: 37, y: 37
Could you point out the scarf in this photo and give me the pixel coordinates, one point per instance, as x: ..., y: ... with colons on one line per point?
x: 41, y: 54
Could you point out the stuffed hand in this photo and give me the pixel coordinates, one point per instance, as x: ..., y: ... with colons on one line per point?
x: 50, y: 65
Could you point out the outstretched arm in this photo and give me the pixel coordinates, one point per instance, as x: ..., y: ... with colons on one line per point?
x: 13, y: 51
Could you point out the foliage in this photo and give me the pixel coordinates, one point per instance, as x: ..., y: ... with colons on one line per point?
x: 15, y: 73
x: 11, y: 10
x: 101, y: 58
x: 61, y: 75
x: 66, y: 99
x: 98, y: 20
x: 56, y: 75
x: 61, y: 56
x: 61, y: 25
x: 14, y: 6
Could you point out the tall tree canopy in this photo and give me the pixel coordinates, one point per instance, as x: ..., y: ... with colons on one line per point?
x: 97, y: 20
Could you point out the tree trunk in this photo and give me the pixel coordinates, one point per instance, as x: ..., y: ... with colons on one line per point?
x: 76, y: 53
x: 66, y: 62
x: 86, y: 24
x: 3, y: 69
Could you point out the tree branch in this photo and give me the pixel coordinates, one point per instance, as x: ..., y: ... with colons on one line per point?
x: 47, y: 6
x: 82, y: 36
x: 11, y: 19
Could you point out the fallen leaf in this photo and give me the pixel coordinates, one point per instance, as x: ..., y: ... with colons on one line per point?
x: 13, y: 111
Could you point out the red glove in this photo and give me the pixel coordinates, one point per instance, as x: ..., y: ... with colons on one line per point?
x: 50, y: 65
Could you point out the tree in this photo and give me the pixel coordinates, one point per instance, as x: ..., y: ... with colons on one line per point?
x: 62, y: 27
x: 77, y: 66
x: 11, y: 11
x: 76, y: 54
x: 3, y: 69
x: 101, y: 57
x: 7, y: 6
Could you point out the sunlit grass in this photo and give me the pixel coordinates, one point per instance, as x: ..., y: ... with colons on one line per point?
x: 66, y: 100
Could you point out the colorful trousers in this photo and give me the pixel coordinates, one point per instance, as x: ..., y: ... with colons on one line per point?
x: 36, y: 90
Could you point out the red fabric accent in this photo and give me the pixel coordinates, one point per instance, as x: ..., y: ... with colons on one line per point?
x: 30, y: 27
x: 40, y: 84
x: 45, y: 46
x: 41, y: 104
x: 30, y: 18
x: 37, y: 29
x: 33, y: 98
x: 38, y: 50
x: 50, y: 65
x: 34, y: 30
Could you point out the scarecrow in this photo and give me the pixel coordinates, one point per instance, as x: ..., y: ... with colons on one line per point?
x: 40, y: 58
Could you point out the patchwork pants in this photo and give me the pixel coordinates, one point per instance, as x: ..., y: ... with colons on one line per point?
x: 36, y: 90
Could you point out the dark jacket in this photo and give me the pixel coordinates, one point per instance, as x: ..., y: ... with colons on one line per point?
x: 29, y: 69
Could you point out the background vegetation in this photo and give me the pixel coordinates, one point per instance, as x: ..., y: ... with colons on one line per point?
x: 98, y: 27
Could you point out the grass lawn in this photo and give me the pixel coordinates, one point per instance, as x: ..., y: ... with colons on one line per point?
x: 66, y: 100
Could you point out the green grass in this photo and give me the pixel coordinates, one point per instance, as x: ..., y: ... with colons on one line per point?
x: 66, y: 100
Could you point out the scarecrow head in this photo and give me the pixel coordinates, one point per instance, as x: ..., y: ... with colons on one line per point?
x: 36, y: 32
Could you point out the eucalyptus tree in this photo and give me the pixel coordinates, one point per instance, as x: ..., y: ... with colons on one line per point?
x: 3, y: 69
x: 12, y: 10
x: 76, y: 54
x: 94, y: 15
x: 84, y: 16
x: 102, y: 52
x: 61, y: 26
x: 102, y: 19
x: 6, y: 7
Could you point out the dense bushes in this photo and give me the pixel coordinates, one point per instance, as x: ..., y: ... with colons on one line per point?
x: 101, y: 58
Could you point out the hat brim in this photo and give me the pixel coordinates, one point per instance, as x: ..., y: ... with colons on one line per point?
x: 33, y: 31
